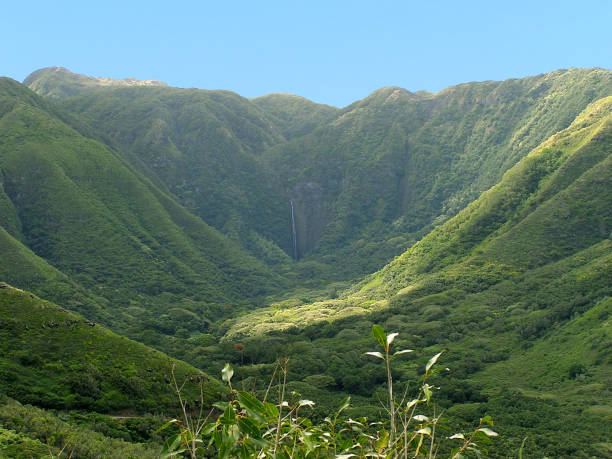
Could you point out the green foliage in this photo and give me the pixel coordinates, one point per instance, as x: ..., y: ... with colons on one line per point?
x: 19, y: 446
x: 515, y: 286
x: 396, y: 164
x: 114, y: 239
x: 29, y: 432
x: 203, y: 147
x: 366, y: 181
x: 295, y: 116
x: 248, y: 427
x: 56, y: 359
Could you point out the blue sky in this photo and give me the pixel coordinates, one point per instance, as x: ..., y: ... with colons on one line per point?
x: 332, y: 52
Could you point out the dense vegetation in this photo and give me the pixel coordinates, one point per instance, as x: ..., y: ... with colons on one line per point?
x: 494, y: 198
x: 55, y: 359
x: 78, y: 205
x: 366, y: 181
x: 525, y: 266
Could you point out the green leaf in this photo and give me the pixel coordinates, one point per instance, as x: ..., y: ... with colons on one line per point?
x: 167, y: 424
x: 306, y: 422
x: 306, y: 403
x: 383, y: 440
x: 487, y: 420
x: 229, y: 416
x: 351, y: 421
x: 217, y: 438
x: 345, y: 404
x: 432, y: 361
x: 271, y: 410
x: 456, y: 436
x: 249, y: 427
x: 481, y: 438
x: 411, y: 403
x: 221, y: 405
x: 253, y: 406
x: 227, y: 373
x: 171, y: 446
x: 520, y: 455
x: 435, y: 371
x: 209, y: 429
x: 379, y: 334
x: 428, y: 392
x: 234, y: 433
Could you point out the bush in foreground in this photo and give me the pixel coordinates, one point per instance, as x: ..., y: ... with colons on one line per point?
x: 250, y: 427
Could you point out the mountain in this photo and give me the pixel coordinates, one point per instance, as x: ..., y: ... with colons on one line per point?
x: 78, y: 217
x: 516, y: 288
x: 393, y: 166
x: 482, y: 215
x: 58, y: 82
x: 365, y: 182
x: 295, y: 116
x: 190, y: 140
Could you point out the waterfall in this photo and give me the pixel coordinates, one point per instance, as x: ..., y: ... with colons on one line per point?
x: 293, y: 233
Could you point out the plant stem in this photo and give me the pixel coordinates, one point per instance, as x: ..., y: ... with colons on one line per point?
x: 391, y: 401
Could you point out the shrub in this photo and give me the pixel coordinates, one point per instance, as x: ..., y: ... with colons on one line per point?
x: 249, y: 427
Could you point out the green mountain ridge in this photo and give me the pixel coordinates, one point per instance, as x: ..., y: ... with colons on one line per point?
x: 82, y: 208
x: 295, y: 116
x: 516, y: 288
x: 57, y: 360
x: 365, y: 181
x: 560, y: 190
x: 58, y: 82
x: 484, y: 212
x: 189, y: 140
x: 393, y: 166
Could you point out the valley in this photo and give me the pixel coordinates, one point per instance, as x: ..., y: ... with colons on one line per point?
x: 146, y: 229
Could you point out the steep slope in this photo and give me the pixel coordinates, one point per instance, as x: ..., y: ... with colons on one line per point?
x: 20, y: 266
x: 395, y: 164
x: 553, y: 203
x: 78, y: 205
x: 203, y: 145
x: 516, y: 288
x: 55, y: 359
x: 27, y: 432
x: 364, y: 182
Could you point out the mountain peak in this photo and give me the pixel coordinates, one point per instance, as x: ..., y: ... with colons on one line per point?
x: 392, y: 93
x: 59, y: 82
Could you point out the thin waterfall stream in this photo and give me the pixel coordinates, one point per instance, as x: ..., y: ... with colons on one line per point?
x: 293, y: 233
